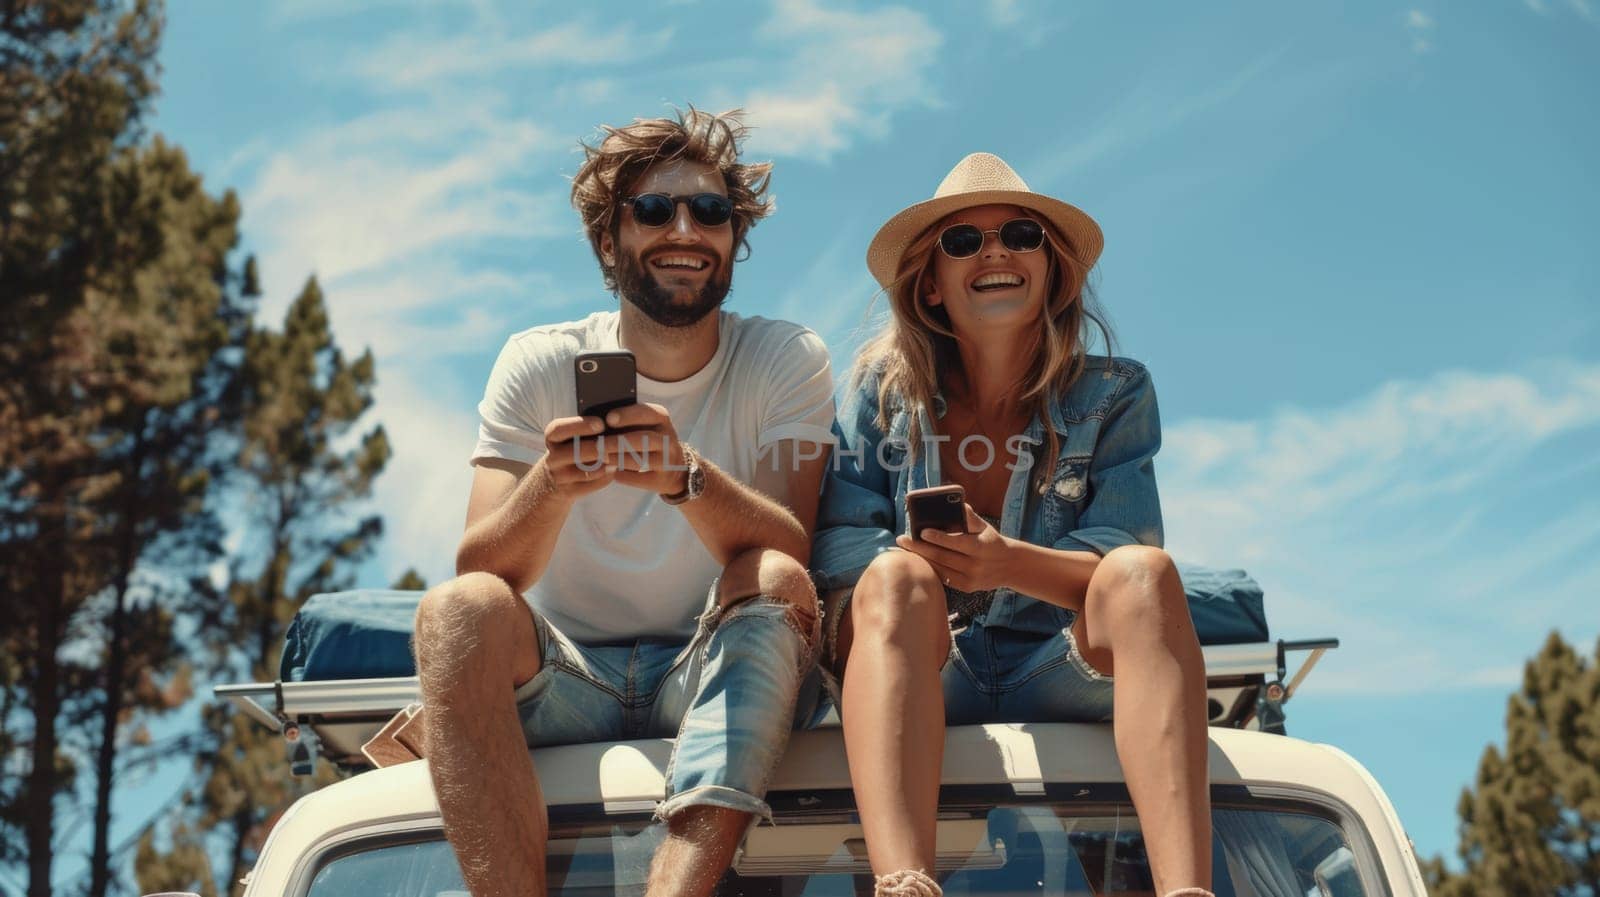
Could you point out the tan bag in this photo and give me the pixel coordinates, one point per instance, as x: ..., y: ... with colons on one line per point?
x: 399, y: 741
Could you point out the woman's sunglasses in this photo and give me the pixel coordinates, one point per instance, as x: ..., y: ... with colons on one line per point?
x: 963, y: 241
x: 658, y: 209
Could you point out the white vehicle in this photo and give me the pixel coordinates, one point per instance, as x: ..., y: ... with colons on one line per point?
x: 1025, y: 809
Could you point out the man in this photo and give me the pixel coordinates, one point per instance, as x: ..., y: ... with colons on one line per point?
x: 617, y: 541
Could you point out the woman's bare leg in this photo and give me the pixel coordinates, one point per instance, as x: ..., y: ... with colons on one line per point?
x: 1136, y: 626
x: 895, y: 639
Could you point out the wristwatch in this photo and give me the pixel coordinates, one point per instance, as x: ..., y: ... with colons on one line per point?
x: 694, y: 484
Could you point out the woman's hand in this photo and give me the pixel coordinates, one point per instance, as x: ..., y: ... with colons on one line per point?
x: 978, y: 560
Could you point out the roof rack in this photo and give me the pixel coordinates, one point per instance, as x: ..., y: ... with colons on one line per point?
x: 1245, y: 689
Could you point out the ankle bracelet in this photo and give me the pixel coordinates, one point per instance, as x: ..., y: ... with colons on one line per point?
x: 906, y: 883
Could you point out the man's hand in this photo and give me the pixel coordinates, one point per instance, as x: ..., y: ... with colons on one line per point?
x: 573, y: 458
x: 978, y: 560
x: 649, y: 455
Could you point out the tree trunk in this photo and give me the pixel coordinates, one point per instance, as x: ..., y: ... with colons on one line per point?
x: 105, y: 762
x: 40, y: 822
x: 116, y: 670
x: 242, y: 823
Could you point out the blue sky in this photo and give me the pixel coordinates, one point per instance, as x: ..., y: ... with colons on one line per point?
x: 1349, y: 240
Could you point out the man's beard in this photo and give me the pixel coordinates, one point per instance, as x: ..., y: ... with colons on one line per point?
x: 639, y: 286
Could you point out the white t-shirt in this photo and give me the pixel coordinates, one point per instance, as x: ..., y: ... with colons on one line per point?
x: 628, y: 565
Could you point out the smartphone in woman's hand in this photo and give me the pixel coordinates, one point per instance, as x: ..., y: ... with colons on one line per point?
x: 942, y: 508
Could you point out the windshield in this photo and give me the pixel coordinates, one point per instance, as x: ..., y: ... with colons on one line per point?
x: 1029, y: 850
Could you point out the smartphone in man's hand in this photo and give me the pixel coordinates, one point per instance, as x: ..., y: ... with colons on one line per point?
x: 942, y: 508
x: 605, y: 381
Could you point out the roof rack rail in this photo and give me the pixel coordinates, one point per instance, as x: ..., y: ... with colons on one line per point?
x: 1245, y: 684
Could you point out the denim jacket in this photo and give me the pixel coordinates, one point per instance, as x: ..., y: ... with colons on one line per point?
x: 1101, y: 493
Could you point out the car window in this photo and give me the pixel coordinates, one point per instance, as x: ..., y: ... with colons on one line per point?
x: 1027, y: 850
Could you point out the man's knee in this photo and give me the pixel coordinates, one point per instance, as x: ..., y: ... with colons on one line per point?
x: 475, y: 617
x: 763, y: 571
x: 774, y: 575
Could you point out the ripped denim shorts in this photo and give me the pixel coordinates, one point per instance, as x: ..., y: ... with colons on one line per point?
x: 730, y: 696
x: 997, y: 674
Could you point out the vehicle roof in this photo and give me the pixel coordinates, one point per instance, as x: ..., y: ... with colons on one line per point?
x: 628, y: 776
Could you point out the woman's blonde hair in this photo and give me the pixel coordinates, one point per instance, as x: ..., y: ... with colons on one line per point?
x: 918, y: 341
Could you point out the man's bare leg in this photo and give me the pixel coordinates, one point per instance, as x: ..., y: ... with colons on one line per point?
x: 701, y: 839
x: 696, y: 852
x: 1139, y: 630
x: 475, y: 643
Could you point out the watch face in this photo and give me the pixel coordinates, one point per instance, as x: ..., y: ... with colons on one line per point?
x: 693, y: 484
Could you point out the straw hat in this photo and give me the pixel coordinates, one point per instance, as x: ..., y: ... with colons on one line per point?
x: 979, y: 179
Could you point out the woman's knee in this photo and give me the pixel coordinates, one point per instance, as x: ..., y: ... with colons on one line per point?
x: 1135, y: 589
x: 1134, y: 567
x: 900, y: 571
x: 900, y: 595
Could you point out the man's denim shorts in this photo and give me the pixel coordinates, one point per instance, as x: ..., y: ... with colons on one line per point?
x: 641, y: 689
x: 997, y: 674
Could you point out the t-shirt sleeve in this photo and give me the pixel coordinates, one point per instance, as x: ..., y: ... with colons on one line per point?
x: 799, y: 396
x: 515, y: 407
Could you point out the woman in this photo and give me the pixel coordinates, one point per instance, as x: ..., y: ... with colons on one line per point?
x: 981, y: 379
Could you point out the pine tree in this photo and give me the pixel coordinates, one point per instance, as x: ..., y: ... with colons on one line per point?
x: 410, y: 581
x: 150, y: 358
x: 302, y: 471
x: 170, y: 345
x: 1530, y: 826
x: 113, y: 339
x: 184, y: 866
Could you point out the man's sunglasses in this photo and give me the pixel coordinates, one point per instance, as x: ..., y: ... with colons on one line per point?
x: 658, y: 209
x: 963, y: 241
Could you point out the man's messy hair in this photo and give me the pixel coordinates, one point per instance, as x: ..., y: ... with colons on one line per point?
x: 611, y: 168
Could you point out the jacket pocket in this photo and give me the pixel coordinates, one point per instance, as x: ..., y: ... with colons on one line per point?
x: 1066, y: 495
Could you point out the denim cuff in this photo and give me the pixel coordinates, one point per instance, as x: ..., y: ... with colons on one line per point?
x: 715, y: 796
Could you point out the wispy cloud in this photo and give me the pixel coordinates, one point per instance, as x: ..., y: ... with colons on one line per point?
x: 389, y: 191
x: 843, y: 76
x: 1400, y: 506
x: 1585, y: 9
x: 411, y: 60
x: 1146, y: 114
x: 1420, y: 24
x: 836, y: 297
x: 423, y: 492
x: 1004, y: 13
x: 416, y: 218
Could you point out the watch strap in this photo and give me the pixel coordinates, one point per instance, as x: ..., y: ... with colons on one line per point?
x: 693, y: 483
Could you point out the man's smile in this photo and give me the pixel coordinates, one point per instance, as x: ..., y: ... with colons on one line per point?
x: 679, y: 262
